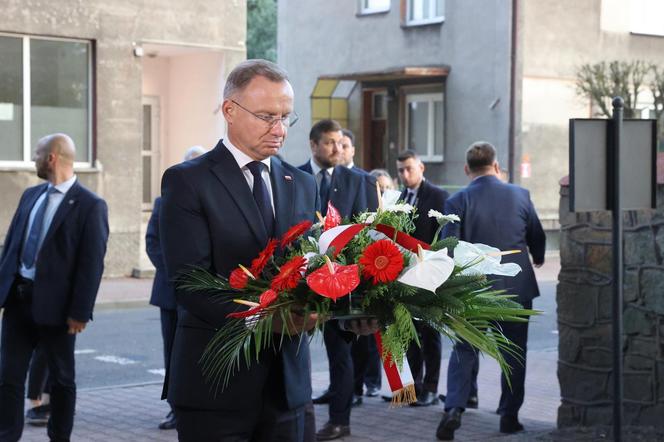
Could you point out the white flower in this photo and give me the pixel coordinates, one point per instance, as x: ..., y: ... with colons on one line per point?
x: 444, y: 219
x: 405, y: 208
x: 480, y: 258
x: 429, y: 271
x: 367, y: 217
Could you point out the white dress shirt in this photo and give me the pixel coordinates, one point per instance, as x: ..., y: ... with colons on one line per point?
x: 242, y: 160
x: 54, y: 201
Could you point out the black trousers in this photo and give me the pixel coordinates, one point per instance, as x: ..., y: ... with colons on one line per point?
x: 366, y: 364
x: 511, y: 399
x: 424, y: 361
x: 169, y: 321
x: 20, y: 336
x: 38, y: 375
x: 338, y: 350
x: 267, y: 423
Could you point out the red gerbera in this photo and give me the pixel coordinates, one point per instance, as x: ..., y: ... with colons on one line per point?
x: 267, y: 298
x: 290, y: 274
x: 295, y: 232
x: 259, y: 263
x: 381, y: 260
x: 238, y: 279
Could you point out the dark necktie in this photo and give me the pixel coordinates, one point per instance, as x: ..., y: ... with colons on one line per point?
x: 410, y: 197
x: 30, y: 249
x: 262, y: 196
x: 324, y: 190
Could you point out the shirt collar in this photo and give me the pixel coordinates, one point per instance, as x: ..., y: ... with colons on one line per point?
x: 351, y: 165
x: 64, y: 186
x: 242, y: 158
x: 415, y: 189
x: 315, y: 168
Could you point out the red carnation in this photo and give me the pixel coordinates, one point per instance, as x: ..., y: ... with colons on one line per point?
x: 238, y: 279
x: 381, y: 260
x: 267, y: 298
x: 259, y: 263
x: 295, y: 232
x: 290, y: 274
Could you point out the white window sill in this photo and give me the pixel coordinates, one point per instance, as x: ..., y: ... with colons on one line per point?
x: 29, y: 166
x: 429, y: 21
x: 364, y: 12
x: 432, y: 159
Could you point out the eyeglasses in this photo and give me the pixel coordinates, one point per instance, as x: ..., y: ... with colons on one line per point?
x: 287, y: 120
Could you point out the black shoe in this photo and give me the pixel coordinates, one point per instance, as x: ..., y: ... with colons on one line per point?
x: 331, y: 431
x: 473, y: 402
x: 38, y: 416
x: 386, y: 398
x: 449, y: 423
x: 169, y: 423
x: 323, y: 398
x: 372, y: 392
x: 425, y: 399
x: 357, y: 401
x: 510, y: 424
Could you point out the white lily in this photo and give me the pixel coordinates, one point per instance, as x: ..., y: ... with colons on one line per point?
x: 484, y: 259
x: 429, y: 271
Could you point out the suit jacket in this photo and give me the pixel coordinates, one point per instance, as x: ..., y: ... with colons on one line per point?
x: 70, y: 262
x: 501, y: 215
x: 209, y: 219
x: 349, y: 191
x: 429, y: 196
x: 163, y: 291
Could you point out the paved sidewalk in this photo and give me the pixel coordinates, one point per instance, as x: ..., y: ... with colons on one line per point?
x: 131, y: 413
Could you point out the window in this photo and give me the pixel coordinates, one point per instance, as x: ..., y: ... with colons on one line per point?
x: 45, y: 87
x: 422, y: 12
x: 374, y: 6
x: 425, y: 125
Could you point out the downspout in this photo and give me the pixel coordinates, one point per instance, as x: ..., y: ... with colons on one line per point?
x: 511, y: 130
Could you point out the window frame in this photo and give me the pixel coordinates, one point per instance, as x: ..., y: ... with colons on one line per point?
x: 430, y: 98
x: 364, y: 10
x: 27, y: 163
x: 408, y: 21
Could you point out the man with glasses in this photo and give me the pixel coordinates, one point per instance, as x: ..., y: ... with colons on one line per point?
x: 218, y: 211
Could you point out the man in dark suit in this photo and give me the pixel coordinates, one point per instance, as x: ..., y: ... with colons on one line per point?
x: 347, y: 191
x: 218, y: 211
x: 50, y: 270
x: 424, y: 196
x: 163, y: 292
x: 500, y: 215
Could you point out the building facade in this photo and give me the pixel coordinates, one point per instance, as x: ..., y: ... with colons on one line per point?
x: 437, y: 75
x: 134, y: 83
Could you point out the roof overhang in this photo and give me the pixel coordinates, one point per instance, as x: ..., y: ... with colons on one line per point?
x: 400, y: 73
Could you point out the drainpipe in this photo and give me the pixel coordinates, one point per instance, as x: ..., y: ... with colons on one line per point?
x: 511, y: 130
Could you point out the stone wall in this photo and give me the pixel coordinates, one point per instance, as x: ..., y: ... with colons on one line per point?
x: 584, y: 316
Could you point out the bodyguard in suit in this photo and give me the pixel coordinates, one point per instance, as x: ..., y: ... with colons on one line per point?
x: 500, y: 215
x: 424, y: 196
x: 50, y: 270
x: 218, y: 211
x: 347, y: 191
x: 163, y: 292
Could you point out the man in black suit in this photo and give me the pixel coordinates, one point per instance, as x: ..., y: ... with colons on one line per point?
x: 50, y: 271
x: 500, y: 215
x: 163, y: 292
x: 424, y: 196
x: 347, y: 191
x: 218, y: 211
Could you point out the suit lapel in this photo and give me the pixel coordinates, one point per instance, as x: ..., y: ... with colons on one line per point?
x: 338, y: 185
x: 226, y: 169
x: 69, y: 200
x: 282, y: 194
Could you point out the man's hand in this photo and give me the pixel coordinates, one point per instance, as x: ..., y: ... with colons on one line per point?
x: 365, y: 326
x: 75, y: 326
x: 298, y: 324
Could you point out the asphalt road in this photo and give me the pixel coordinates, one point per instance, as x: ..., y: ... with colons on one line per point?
x: 123, y: 345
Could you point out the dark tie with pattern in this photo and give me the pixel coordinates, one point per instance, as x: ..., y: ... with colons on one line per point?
x: 410, y: 197
x: 262, y: 196
x: 30, y: 249
x: 324, y: 190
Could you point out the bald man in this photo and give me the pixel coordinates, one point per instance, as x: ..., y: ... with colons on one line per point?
x: 50, y: 269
